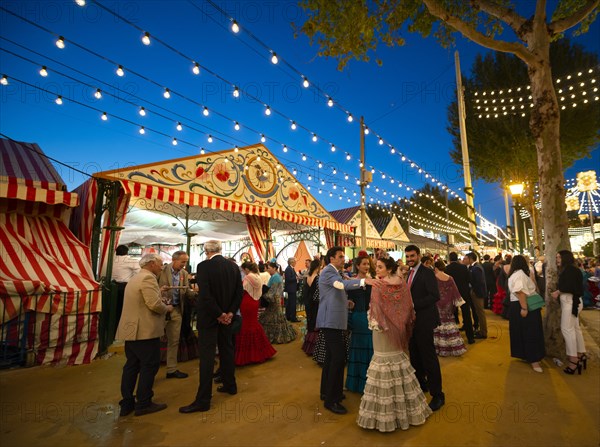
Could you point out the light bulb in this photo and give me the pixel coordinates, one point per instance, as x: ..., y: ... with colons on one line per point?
x: 348, y: 157
x: 314, y: 137
x: 346, y: 176
x: 167, y: 93
x: 320, y: 165
x: 309, y: 177
x: 202, y: 151
x: 43, y: 71
x: 142, y: 111
x: 332, y: 148
x: 60, y: 42
x: 393, y: 151
x: 284, y: 148
x: 235, y: 149
x: 104, y: 116
x: 80, y: 2
x: 274, y: 59
x: 142, y: 130
x: 146, y: 39
x: 305, y: 83
x: 210, y: 138
x: 98, y: 94
x: 268, y: 111
x: 174, y: 142
x: 236, y: 126
x: 330, y: 102
x: 58, y: 100
x: 120, y: 71
x: 303, y: 157
x: 4, y: 80
x: 350, y: 119
x: 262, y: 138
x: 235, y: 27
x: 236, y: 92
x: 205, y: 111
x: 179, y: 127
x: 293, y: 125
x: 366, y: 130
x: 196, y: 69
x: 380, y: 141
x: 294, y: 171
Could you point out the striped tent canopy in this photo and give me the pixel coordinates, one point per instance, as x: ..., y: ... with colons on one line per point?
x: 351, y: 216
x: 45, y: 272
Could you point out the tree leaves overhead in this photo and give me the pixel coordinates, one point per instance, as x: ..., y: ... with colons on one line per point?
x: 503, y: 148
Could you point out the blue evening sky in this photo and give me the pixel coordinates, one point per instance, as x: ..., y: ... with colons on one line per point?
x: 404, y: 101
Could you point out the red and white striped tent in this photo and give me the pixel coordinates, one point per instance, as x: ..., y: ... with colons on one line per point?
x: 49, y: 299
x: 246, y: 187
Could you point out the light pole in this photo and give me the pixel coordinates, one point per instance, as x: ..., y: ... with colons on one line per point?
x: 586, y: 183
x: 516, y: 189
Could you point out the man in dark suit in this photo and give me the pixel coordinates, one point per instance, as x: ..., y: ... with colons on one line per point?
x: 460, y: 273
x: 478, y: 292
x: 220, y: 294
x: 490, y: 281
x: 425, y: 294
x: 290, y: 286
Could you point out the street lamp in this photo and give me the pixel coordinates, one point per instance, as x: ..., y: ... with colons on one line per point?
x: 516, y: 189
x: 586, y: 183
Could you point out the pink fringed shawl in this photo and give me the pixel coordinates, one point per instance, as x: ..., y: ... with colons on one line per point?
x: 392, y: 307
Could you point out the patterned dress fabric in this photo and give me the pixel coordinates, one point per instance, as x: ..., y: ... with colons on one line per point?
x: 446, y: 337
x: 311, y: 306
x: 361, y: 340
x: 273, y: 321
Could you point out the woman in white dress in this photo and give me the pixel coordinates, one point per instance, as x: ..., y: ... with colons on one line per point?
x: 393, y: 397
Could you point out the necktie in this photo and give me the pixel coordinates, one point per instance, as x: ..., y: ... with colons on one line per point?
x: 410, y: 277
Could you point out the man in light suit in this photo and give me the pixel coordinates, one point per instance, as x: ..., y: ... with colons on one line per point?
x: 332, y: 319
x: 425, y: 294
x: 141, y: 326
x: 219, y: 297
x: 175, y: 275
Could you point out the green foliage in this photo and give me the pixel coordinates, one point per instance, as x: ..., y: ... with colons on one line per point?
x: 588, y: 249
x: 503, y: 148
x: 353, y: 29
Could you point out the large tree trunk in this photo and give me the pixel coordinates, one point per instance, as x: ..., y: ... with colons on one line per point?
x: 545, y: 126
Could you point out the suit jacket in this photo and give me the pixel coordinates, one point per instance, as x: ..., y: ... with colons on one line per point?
x: 478, y: 280
x: 143, y: 316
x: 333, y: 304
x: 460, y: 274
x: 166, y: 279
x: 291, y: 280
x: 220, y: 290
x: 490, y: 278
x: 425, y: 294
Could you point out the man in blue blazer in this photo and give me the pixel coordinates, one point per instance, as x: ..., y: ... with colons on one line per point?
x: 332, y: 319
x: 425, y: 294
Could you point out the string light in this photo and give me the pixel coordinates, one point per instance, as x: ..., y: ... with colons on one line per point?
x: 142, y: 130
x: 330, y: 102
x: 293, y: 125
x: 43, y: 72
x: 98, y: 94
x: 179, y: 127
x: 236, y: 125
x: 210, y: 138
x: 60, y: 42
x: 366, y: 130
x: 235, y: 27
x: 174, y: 142
x: 305, y: 82
x: 202, y: 151
x: 268, y: 111
x: 104, y: 116
x: 167, y: 93
x: 146, y: 39
x: 196, y: 68
x: 236, y: 92
x: 274, y: 58
x: 262, y: 138
x: 142, y: 111
x: 59, y: 100
x: 332, y: 148
x: 285, y: 149
x: 4, y: 80
x: 120, y: 71
x: 350, y: 119
x: 80, y: 2
x: 314, y: 136
x: 205, y: 111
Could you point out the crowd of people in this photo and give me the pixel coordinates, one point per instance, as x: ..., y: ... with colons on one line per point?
x: 383, y: 321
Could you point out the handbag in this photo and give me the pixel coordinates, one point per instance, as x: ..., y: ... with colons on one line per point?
x: 535, y: 302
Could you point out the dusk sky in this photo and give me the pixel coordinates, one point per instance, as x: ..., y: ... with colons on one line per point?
x: 404, y: 101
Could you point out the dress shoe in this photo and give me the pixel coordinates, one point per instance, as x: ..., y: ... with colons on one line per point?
x: 218, y: 379
x: 126, y: 410
x: 437, y: 402
x: 176, y: 375
x: 336, y: 408
x: 223, y: 389
x: 152, y: 408
x: 194, y: 407
x: 323, y: 396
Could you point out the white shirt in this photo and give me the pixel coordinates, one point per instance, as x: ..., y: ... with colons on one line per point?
x: 520, y: 282
x: 124, y: 268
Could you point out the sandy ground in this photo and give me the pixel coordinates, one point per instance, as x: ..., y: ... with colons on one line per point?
x: 491, y: 400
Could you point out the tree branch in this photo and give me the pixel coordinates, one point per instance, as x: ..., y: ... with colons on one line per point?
x: 564, y: 24
x: 507, y: 15
x: 436, y: 9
